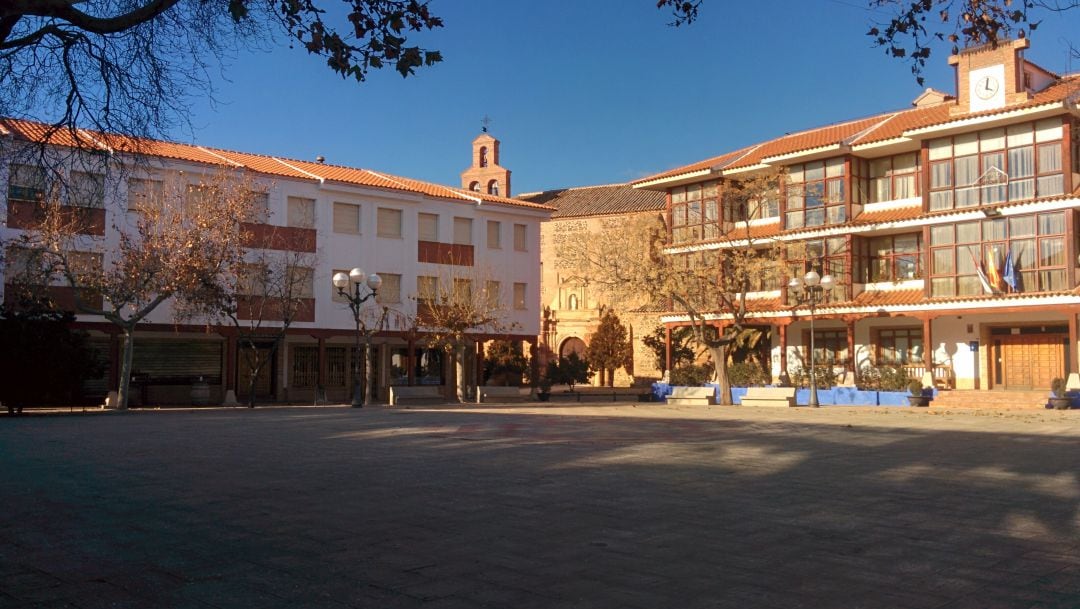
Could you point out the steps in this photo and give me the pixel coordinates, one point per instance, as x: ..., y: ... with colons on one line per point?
x: 993, y: 400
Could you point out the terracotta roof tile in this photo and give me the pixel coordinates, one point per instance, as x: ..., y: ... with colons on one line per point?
x: 756, y: 231
x: 715, y: 162
x: 875, y: 298
x: 274, y: 166
x: 598, y: 200
x: 894, y: 214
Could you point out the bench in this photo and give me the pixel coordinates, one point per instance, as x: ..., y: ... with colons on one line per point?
x: 404, y: 395
x: 693, y: 396
x: 769, y: 396
x: 502, y: 394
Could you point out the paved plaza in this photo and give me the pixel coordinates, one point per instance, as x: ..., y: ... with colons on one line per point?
x: 623, y: 506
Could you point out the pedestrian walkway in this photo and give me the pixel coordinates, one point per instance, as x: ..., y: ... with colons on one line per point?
x: 530, y: 506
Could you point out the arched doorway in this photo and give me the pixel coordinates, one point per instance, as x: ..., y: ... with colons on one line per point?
x: 572, y: 345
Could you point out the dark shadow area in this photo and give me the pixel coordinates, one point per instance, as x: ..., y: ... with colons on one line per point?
x: 411, y: 508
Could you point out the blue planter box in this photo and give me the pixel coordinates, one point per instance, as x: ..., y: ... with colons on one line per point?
x: 836, y: 396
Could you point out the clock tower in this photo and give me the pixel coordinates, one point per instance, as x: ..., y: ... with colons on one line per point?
x: 990, y: 78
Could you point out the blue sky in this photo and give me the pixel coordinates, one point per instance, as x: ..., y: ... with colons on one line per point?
x: 580, y: 92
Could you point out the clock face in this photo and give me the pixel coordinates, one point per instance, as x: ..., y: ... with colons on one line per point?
x: 986, y: 87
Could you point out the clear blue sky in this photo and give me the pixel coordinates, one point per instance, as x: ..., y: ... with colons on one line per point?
x: 581, y: 92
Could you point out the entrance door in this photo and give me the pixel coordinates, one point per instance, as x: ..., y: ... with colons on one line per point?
x: 1031, y: 361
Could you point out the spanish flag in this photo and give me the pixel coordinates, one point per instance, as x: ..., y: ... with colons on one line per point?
x: 993, y: 270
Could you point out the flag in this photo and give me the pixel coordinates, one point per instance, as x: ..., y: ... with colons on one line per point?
x: 993, y: 273
x: 983, y: 279
x: 1010, y: 271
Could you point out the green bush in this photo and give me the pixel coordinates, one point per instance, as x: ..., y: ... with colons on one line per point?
x: 748, y: 374
x: 691, y: 375
x: 882, y: 378
x: 825, y: 376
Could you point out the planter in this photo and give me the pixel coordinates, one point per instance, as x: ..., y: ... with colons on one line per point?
x: 919, y: 400
x: 1060, y: 403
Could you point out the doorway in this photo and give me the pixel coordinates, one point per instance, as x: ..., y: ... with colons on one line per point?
x: 1029, y: 358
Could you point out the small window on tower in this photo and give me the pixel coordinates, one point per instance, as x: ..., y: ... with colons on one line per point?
x: 483, y: 156
x: 493, y: 188
x: 474, y: 186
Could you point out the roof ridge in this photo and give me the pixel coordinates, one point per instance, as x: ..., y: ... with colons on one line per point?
x: 318, y: 177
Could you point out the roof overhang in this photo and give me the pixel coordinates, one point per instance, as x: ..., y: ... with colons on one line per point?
x: 887, y: 147
x: 992, y: 120
x: 675, y: 180
x: 810, y: 154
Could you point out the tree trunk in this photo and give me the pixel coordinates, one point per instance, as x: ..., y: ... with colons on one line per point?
x: 125, y: 369
x: 459, y: 371
x: 719, y: 358
x: 252, y: 379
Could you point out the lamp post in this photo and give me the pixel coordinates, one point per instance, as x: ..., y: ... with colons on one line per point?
x: 811, y: 289
x: 356, y: 279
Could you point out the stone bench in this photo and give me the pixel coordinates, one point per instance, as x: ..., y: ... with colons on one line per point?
x: 693, y: 396
x: 405, y: 395
x: 502, y: 394
x: 769, y: 396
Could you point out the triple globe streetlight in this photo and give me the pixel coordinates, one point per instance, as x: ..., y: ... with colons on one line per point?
x: 811, y: 289
x: 354, y: 281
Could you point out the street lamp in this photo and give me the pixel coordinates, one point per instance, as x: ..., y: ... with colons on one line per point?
x: 811, y: 289
x: 358, y: 278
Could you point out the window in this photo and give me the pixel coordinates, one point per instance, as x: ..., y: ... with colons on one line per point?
x: 890, y: 258
x: 85, y: 266
x: 474, y: 186
x: 519, y: 296
x: 1033, y: 245
x: 390, y: 290
x: 521, y: 237
x: 463, y: 231
x: 251, y: 280
x: 144, y: 195
x: 1016, y: 163
x: 427, y: 227
x: 463, y: 291
x: 260, y: 202
x: 830, y: 347
x: 492, y: 293
x: 493, y: 188
x: 301, y: 282
x: 337, y: 366
x: 894, y: 177
x: 695, y: 213
x: 305, y: 367
x: 301, y: 212
x: 427, y: 289
x: 899, y: 346
x: 86, y: 189
x: 815, y: 194
x: 26, y: 183
x: 494, y: 230
x: 823, y: 256
x: 389, y: 223
x: 346, y: 218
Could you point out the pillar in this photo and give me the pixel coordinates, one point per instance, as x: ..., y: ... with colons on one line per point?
x: 928, y: 342
x: 667, y: 348
x: 852, y: 362
x: 534, y: 364
x: 230, y: 362
x: 114, y: 361
x: 782, y: 328
x: 1072, y: 344
x: 410, y: 361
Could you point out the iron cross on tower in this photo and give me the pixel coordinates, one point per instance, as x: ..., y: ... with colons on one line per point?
x: 485, y: 122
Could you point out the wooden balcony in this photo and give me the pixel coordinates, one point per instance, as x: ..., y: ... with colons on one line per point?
x: 270, y: 237
x: 29, y: 215
x: 444, y: 253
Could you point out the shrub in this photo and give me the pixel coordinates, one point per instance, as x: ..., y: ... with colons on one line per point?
x: 825, y: 375
x: 748, y: 374
x: 882, y: 378
x: 1057, y: 387
x: 915, y: 387
x: 691, y: 375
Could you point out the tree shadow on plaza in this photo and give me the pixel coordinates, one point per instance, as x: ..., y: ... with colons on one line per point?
x: 757, y: 511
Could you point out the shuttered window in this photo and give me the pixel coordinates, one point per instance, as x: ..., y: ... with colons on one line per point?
x: 301, y: 212
x: 426, y: 289
x: 494, y: 228
x: 390, y: 290
x: 301, y: 282
x: 346, y: 218
x: 179, y: 362
x: 86, y: 189
x: 521, y: 237
x: 463, y: 231
x: 144, y: 195
x: 389, y: 221
x: 428, y: 227
x: 519, y: 296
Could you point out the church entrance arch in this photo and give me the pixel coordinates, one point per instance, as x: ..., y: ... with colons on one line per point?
x: 572, y: 345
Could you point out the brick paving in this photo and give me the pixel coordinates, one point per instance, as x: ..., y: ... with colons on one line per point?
x: 624, y: 506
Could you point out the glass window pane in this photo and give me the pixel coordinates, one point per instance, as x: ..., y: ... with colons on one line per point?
x: 1051, y: 252
x: 905, y: 186
x: 993, y: 230
x: 1052, y: 224
x: 943, y: 262
x: 992, y: 139
x: 941, y: 174
x: 965, y: 144
x: 1052, y: 280
x: 1020, y: 135
x: 815, y: 171
x: 1021, y: 162
x: 967, y: 170
x: 1051, y: 185
x: 942, y: 199
x: 1023, y: 226
x: 834, y: 168
x: 943, y: 287
x: 1048, y: 130
x: 1050, y: 158
x: 941, y: 235
x: 940, y: 148
x: 1020, y: 190
x: 906, y: 243
x: 968, y: 232
x: 969, y: 285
